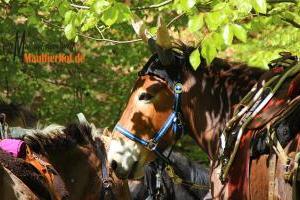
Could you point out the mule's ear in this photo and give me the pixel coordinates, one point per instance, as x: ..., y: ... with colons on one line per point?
x: 163, y: 37
x: 164, y: 44
x: 140, y: 29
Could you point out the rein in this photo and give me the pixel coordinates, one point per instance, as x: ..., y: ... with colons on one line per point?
x: 106, y: 180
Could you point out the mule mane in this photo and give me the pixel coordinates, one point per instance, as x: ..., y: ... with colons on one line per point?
x: 54, y: 137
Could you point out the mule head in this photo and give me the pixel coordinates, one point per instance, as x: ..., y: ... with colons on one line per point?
x: 149, y: 107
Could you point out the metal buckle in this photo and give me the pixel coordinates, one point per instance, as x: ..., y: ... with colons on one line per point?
x: 106, y: 182
x: 178, y: 88
x: 151, y: 145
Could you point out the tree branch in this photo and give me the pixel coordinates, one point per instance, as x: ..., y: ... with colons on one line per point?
x: 174, y: 19
x: 282, y: 1
x: 79, y: 6
x: 153, y: 6
x: 293, y: 23
x: 112, y: 42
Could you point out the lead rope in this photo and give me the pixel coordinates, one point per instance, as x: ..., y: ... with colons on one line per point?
x: 177, y: 180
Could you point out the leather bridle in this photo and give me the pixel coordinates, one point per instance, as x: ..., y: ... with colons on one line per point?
x: 106, y: 180
x: 174, y: 121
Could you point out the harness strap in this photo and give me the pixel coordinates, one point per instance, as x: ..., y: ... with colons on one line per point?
x: 54, y: 182
x: 272, y: 171
x: 107, y: 182
x: 254, y: 110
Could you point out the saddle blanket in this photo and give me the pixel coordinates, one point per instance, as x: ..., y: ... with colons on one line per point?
x: 15, y: 147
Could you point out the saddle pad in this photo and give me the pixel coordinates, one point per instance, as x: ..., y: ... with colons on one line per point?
x: 14, y: 147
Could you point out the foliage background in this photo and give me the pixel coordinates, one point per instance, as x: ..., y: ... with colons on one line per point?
x: 251, y: 31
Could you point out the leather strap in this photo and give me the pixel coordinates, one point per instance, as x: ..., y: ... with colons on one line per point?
x: 272, y: 174
x: 55, y: 183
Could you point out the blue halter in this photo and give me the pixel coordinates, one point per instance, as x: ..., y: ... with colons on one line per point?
x: 174, y: 120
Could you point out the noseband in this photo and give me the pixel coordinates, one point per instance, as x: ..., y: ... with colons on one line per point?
x: 174, y: 121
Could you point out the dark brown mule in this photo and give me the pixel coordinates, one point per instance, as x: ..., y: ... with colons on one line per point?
x: 18, y: 115
x: 208, y: 97
x: 77, y: 153
x: 12, y: 188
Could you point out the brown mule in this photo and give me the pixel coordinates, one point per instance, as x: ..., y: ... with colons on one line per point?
x: 74, y: 152
x: 207, y: 101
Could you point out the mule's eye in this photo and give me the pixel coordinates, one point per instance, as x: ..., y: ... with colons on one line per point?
x: 145, y: 96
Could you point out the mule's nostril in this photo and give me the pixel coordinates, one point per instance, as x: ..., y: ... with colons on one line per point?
x: 114, y: 165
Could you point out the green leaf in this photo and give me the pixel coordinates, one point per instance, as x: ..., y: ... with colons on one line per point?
x: 208, y: 50
x: 187, y: 4
x: 124, y: 12
x: 195, y: 22
x: 260, y: 6
x: 90, y: 22
x: 70, y: 31
x: 69, y: 16
x: 227, y: 34
x: 239, y: 32
x: 153, y: 30
x: 76, y: 38
x: 214, y: 19
x: 33, y: 20
x: 110, y: 16
x: 27, y: 11
x: 218, y: 40
x: 219, y: 6
x: 63, y: 8
x: 79, y: 19
x: 100, y: 5
x: 244, y: 6
x: 195, y: 59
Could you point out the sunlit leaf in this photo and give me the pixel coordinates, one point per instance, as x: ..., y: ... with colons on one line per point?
x: 100, y: 5
x: 214, y: 19
x: 124, y: 12
x: 195, y: 59
x: 69, y: 16
x: 227, y: 34
x: 208, y: 50
x: 195, y: 22
x: 70, y: 31
x: 239, y: 32
x: 218, y: 40
x: 187, y: 4
x: 260, y: 6
x: 110, y: 16
x: 90, y: 22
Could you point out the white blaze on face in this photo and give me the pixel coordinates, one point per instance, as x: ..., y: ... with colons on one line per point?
x: 124, y: 153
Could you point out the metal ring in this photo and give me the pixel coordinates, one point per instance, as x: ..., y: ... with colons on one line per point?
x: 178, y: 88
